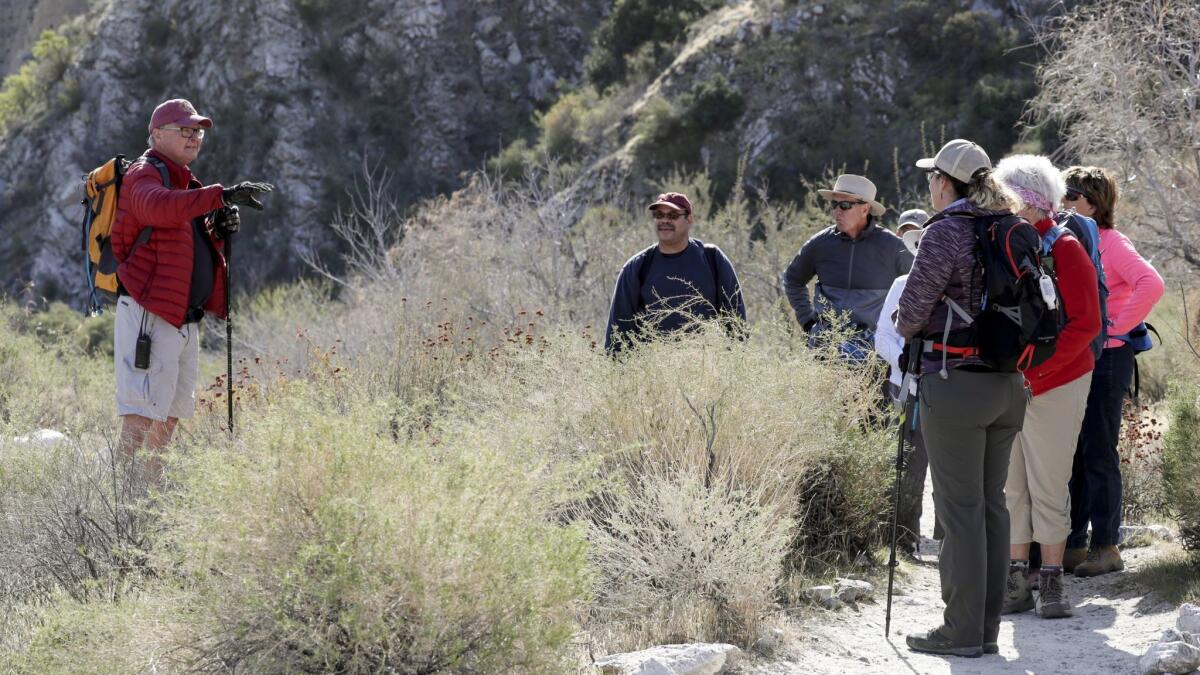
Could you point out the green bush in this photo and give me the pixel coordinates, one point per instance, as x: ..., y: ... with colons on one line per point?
x: 653, y: 25
x: 46, y: 381
x: 1181, y: 462
x: 25, y: 94
x: 712, y: 105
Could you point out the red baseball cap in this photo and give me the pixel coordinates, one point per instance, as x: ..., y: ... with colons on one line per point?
x: 675, y: 200
x: 178, y: 111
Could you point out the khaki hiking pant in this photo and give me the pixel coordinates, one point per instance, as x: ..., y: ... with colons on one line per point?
x: 1039, y: 501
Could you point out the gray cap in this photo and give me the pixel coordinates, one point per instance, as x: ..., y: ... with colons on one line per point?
x: 959, y: 158
x: 912, y: 217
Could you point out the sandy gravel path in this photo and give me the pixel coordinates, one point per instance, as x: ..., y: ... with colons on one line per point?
x: 1115, y: 622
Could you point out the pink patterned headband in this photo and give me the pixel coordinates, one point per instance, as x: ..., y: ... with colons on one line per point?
x: 1032, y: 198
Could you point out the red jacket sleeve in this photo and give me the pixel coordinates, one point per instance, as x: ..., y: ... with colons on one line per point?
x: 1079, y: 288
x: 156, y: 206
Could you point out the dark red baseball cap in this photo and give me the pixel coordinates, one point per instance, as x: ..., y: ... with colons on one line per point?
x: 675, y: 200
x: 178, y: 111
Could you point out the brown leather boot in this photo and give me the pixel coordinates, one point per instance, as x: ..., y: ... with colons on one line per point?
x: 1100, y: 560
x: 1073, y: 557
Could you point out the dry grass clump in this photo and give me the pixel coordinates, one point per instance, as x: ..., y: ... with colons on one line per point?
x: 56, y: 386
x: 323, y: 539
x: 707, y: 454
x: 69, y: 521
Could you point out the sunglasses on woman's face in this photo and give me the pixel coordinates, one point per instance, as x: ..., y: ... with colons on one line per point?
x: 1072, y: 195
x: 845, y: 205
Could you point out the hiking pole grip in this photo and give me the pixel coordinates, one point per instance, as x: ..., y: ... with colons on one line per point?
x: 229, y: 331
x: 914, y: 357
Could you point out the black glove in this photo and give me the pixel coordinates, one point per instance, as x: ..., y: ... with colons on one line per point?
x: 226, y: 221
x: 243, y: 194
x: 808, y: 325
x: 902, y: 362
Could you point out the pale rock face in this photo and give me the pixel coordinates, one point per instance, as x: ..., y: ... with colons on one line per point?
x: 1178, y: 658
x: 1133, y: 536
x: 853, y: 590
x: 446, y: 79
x: 690, y: 659
x: 42, y: 438
x: 1189, y: 619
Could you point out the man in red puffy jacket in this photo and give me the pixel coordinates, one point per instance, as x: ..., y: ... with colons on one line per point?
x: 168, y: 240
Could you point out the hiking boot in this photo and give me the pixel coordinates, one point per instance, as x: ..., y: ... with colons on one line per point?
x: 1099, y: 561
x: 1035, y: 579
x: 1052, y: 602
x: 1072, y: 558
x: 1017, y: 596
x: 934, y: 642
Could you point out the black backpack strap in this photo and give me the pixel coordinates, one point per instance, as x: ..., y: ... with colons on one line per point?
x: 710, y: 254
x: 144, y: 235
x: 162, y: 169
x: 644, y: 266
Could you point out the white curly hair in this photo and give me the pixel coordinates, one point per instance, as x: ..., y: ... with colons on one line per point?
x: 1034, y: 180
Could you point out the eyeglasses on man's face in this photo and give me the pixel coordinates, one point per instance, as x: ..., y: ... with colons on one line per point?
x: 667, y: 215
x: 187, y: 132
x: 845, y: 205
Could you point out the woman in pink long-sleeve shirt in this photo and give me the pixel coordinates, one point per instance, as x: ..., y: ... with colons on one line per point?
x: 1134, y: 287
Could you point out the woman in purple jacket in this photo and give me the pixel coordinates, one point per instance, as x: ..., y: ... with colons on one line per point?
x: 969, y: 414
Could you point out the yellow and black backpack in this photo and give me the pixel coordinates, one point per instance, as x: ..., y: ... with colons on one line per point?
x: 103, y: 188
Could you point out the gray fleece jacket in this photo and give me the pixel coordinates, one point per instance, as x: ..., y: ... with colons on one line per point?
x: 853, y: 275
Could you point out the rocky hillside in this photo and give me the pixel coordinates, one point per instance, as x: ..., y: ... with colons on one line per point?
x: 306, y: 93
x: 303, y: 94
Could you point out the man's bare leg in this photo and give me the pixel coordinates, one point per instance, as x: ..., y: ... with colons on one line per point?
x: 138, y: 431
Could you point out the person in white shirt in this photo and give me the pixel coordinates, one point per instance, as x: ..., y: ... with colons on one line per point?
x: 889, y: 346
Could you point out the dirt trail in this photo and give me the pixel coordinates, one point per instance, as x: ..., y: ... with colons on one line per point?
x: 1115, y: 622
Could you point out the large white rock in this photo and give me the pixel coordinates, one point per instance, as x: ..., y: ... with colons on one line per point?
x: 1134, y: 536
x: 690, y: 659
x: 853, y: 590
x: 1177, y: 658
x: 1173, y: 635
x: 819, y: 593
x: 1189, y: 619
x: 42, y: 438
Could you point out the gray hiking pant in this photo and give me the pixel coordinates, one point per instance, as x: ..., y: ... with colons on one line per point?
x: 969, y: 421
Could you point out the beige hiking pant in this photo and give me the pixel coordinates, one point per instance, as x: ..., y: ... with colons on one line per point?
x: 1039, y: 503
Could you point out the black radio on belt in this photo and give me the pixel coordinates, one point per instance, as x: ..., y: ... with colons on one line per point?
x: 141, y: 355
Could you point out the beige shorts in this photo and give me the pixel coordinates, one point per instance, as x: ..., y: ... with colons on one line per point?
x: 1039, y: 469
x: 168, y: 387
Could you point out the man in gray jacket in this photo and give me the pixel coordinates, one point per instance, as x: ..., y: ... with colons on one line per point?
x: 855, y: 262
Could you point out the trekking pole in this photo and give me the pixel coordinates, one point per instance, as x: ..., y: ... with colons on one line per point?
x: 907, y: 410
x: 229, y: 330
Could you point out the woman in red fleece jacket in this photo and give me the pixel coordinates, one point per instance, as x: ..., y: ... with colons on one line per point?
x: 1040, y: 466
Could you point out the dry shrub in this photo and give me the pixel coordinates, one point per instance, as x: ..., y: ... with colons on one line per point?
x: 1141, y: 450
x: 707, y: 446
x: 69, y: 519
x: 319, y: 542
x: 1120, y: 79
x: 678, y: 561
x: 1181, y: 462
x: 49, y: 383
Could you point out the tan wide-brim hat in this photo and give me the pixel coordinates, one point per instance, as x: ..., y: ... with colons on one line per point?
x: 850, y: 187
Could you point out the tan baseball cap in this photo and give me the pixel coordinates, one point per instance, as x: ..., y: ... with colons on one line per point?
x: 959, y: 158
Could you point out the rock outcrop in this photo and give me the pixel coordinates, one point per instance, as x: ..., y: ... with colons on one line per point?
x: 303, y: 93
